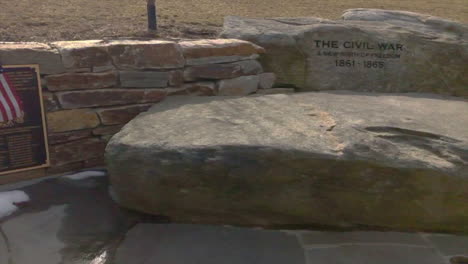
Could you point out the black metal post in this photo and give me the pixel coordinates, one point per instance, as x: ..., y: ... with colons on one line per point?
x: 152, y: 20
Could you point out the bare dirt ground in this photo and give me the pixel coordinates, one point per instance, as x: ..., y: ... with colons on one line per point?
x: 48, y: 20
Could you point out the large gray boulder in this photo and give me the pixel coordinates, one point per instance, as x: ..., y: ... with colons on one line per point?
x: 337, y: 159
x: 369, y: 50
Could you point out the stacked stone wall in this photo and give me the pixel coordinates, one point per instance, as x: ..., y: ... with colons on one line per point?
x: 92, y: 88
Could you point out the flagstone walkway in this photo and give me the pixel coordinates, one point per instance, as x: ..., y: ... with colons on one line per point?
x: 76, y: 222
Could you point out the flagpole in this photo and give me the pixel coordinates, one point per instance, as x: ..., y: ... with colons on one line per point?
x: 152, y: 19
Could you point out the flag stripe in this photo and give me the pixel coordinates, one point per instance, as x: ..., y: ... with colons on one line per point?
x: 3, y: 115
x: 6, y: 97
x: 12, y: 88
x: 12, y: 97
x: 3, y: 112
x: 5, y: 105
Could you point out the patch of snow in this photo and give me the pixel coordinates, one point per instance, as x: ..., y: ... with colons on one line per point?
x: 84, y: 175
x: 8, y: 200
x: 101, y: 259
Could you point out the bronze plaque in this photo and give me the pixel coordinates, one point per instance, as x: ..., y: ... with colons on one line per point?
x: 23, y: 138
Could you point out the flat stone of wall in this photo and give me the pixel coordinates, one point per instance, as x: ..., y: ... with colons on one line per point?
x: 92, y: 88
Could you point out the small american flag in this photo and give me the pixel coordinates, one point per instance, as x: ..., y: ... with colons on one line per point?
x: 11, y: 107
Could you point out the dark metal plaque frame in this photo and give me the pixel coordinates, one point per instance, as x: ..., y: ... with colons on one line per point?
x: 24, y: 146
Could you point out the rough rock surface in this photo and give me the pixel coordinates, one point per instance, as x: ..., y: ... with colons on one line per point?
x: 50, y: 103
x: 64, y: 137
x: 336, y: 159
x: 197, y: 88
x: 151, y: 54
x: 369, y: 50
x: 244, y: 85
x: 74, y: 119
x: 31, y: 53
x: 276, y: 91
x: 213, y: 72
x: 83, y: 55
x: 121, y: 115
x: 410, y: 20
x: 76, y: 151
x: 81, y: 81
x: 134, y: 79
x: 109, y: 97
x: 200, y: 52
x: 267, y: 80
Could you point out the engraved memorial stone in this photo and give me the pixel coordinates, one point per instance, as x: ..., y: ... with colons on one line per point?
x: 369, y: 50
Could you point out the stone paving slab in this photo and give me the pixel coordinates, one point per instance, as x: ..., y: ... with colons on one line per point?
x: 33, y: 237
x: 191, y: 244
x: 3, y: 249
x: 65, y: 222
x: 374, y: 254
x: 450, y: 245
x: 76, y: 222
x: 317, y: 239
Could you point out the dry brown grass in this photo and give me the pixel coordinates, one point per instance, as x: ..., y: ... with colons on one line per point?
x: 45, y: 20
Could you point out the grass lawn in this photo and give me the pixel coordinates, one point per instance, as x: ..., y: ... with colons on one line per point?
x: 45, y: 20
